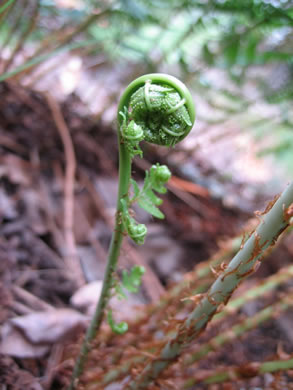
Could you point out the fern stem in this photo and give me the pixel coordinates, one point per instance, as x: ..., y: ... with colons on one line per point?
x: 250, y: 370
x: 114, y: 250
x: 261, y: 289
x: 244, y: 263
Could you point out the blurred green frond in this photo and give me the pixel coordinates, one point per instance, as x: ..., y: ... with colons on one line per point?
x: 251, y: 41
x: 6, y: 5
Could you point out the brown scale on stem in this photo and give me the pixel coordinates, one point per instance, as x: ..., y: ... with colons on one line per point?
x: 173, y: 324
x: 243, y: 240
x: 257, y: 249
x: 275, y: 238
x: 211, y: 299
x: 229, y: 294
x: 288, y: 213
x: 193, y: 323
x: 231, y: 272
x: 250, y: 271
x: 194, y: 298
x: 269, y: 206
x: 218, y: 270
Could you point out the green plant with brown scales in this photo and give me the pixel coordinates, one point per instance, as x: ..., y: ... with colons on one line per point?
x: 277, y: 218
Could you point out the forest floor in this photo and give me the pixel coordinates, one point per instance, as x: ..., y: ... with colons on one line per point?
x: 58, y: 174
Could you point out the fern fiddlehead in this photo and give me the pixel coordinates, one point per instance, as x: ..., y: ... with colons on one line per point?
x: 161, y: 106
x: 157, y: 108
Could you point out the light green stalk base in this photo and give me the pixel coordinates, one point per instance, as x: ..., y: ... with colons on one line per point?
x: 243, y: 264
x: 116, y: 241
x: 249, y: 370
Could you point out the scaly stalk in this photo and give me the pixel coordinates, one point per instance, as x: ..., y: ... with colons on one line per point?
x: 262, y: 288
x: 238, y: 330
x: 275, y: 221
x: 249, y: 370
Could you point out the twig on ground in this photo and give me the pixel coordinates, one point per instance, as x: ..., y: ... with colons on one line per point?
x: 71, y: 256
x: 53, y: 362
x: 31, y: 300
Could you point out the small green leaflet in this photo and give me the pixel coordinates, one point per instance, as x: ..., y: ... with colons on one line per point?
x: 119, y: 291
x: 146, y: 198
x: 149, y: 194
x: 132, y: 280
x: 117, y: 327
x: 146, y: 204
x: 155, y: 180
x: 136, y: 231
x: 136, y: 190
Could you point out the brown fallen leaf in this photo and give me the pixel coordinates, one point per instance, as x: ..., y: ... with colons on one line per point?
x: 86, y: 297
x: 13, y: 343
x: 50, y: 326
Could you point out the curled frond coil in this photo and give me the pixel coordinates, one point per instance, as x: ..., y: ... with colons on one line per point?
x: 161, y: 106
